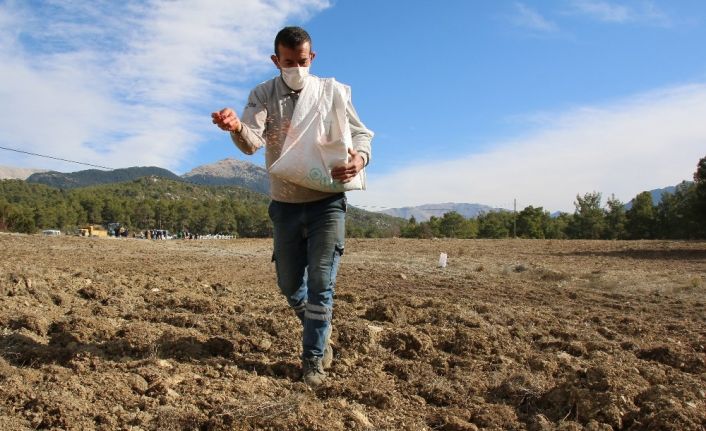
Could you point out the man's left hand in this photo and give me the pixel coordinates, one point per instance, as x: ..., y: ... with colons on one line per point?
x: 347, y: 172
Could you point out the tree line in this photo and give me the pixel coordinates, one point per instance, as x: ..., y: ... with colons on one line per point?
x: 147, y: 203
x: 154, y: 202
x: 679, y: 215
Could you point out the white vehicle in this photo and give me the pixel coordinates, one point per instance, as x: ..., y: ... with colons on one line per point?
x: 51, y: 232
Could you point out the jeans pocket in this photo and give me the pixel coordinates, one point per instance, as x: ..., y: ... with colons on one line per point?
x: 337, y: 253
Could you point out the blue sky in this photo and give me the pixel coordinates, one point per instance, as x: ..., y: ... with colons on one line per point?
x: 470, y: 101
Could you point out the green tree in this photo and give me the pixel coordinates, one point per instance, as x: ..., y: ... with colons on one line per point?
x: 641, y: 217
x: 674, y: 216
x: 495, y: 224
x: 143, y: 214
x: 699, y: 208
x: 434, y: 227
x: 45, y: 216
x: 202, y: 220
x: 67, y: 215
x: 162, y: 215
x: 615, y: 219
x: 92, y: 207
x: 454, y: 225
x: 181, y: 211
x: 557, y: 227
x: 21, y: 219
x: 262, y: 225
x: 412, y: 229
x: 409, y: 229
x: 226, y: 222
x: 589, y: 219
x: 4, y: 213
x: 116, y: 210
x: 532, y: 222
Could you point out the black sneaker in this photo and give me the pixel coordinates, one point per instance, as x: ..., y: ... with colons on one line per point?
x: 314, y: 374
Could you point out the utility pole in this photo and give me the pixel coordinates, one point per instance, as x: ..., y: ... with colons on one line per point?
x: 514, y: 218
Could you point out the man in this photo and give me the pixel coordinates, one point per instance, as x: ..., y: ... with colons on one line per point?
x: 309, y: 225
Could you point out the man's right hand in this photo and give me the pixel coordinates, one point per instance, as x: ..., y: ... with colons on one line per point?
x: 227, y: 120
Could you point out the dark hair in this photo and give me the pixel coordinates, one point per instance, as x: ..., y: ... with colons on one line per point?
x: 291, y: 37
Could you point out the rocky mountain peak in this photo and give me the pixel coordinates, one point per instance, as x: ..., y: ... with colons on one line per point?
x: 231, y: 172
x: 12, y: 173
x: 226, y: 168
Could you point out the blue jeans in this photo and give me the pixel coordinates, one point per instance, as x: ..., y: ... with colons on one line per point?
x: 308, y: 244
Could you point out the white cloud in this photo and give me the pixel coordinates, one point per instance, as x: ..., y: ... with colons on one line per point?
x: 637, y: 11
x: 124, y: 83
x: 649, y: 141
x: 529, y: 18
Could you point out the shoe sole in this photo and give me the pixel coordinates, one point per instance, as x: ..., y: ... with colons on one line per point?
x: 327, y: 360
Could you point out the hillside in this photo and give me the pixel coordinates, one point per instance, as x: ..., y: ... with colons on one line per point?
x: 361, y: 223
x: 226, y: 172
x: 92, y: 177
x: 231, y: 172
x: 155, y: 187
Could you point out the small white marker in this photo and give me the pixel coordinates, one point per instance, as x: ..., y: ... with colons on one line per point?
x: 442, y: 260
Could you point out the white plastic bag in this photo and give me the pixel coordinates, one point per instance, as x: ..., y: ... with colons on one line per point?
x: 318, y: 139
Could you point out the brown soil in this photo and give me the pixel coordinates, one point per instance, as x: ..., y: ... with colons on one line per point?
x: 537, y: 335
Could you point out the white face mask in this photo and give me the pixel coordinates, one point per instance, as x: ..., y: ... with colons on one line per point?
x: 295, y: 77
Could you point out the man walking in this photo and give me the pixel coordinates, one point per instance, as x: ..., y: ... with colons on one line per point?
x: 309, y: 225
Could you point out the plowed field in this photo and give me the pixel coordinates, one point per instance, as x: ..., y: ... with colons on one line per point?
x: 513, y: 334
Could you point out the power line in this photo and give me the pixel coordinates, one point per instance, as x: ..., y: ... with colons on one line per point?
x: 55, y: 158
x: 179, y: 178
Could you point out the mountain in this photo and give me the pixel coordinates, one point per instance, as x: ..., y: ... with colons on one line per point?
x: 10, y: 173
x: 424, y: 212
x: 93, y: 177
x: 657, y: 195
x: 227, y: 172
x: 231, y: 172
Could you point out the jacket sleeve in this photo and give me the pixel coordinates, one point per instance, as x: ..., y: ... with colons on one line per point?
x: 253, y: 120
x: 361, y: 135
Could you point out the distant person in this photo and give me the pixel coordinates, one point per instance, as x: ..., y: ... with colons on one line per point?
x: 309, y: 225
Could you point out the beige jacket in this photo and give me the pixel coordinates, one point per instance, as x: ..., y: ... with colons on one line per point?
x: 265, y: 123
